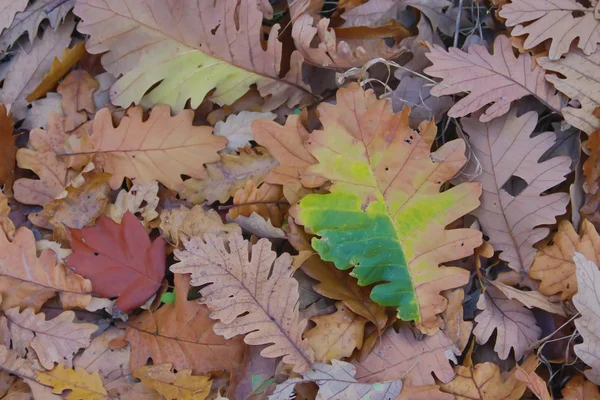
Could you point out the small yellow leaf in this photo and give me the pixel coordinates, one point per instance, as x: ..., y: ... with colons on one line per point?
x: 82, y: 384
x: 59, y: 68
x: 180, y: 385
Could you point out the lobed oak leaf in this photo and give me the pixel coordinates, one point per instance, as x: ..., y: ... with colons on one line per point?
x: 553, y: 264
x: 8, y: 149
x: 180, y: 385
x: 142, y: 198
x: 336, y: 335
x: 579, y: 83
x: 29, y: 20
x: 77, y: 97
x: 27, y: 280
x: 577, y: 388
x: 505, y: 149
x: 237, y: 128
x: 161, y: 148
x: 385, y: 194
x: 83, y: 386
x: 499, y: 78
x: 398, y: 355
x: 28, y: 70
x: 53, y: 341
x: 256, y: 297
x: 26, y: 370
x: 119, y: 259
x: 560, y: 21
x: 111, y: 363
x: 266, y: 200
x: 484, y: 382
x: 337, y: 382
x: 181, y: 334
x: 189, y: 43
x: 58, y: 69
x: 228, y: 175
x: 586, y: 301
x: 514, y: 324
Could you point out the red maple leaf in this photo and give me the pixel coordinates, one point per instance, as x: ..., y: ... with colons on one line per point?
x: 119, y: 259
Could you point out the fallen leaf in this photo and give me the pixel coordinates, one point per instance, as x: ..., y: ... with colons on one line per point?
x: 376, y: 193
x: 142, y: 198
x: 27, y: 370
x: 161, y: 148
x: 228, y: 175
x: 237, y: 128
x: 534, y: 383
x: 58, y: 69
x: 54, y: 341
x: 505, y: 149
x: 9, y: 9
x: 27, y: 280
x: 484, y: 382
x: 81, y: 384
x: 554, y: 264
x: 39, y: 114
x: 426, y: 392
x: 181, y: 334
x: 514, y: 324
x: 111, y: 363
x: 77, y: 97
x: 587, y: 303
x: 577, y: 388
x: 257, y: 225
x: 415, y: 92
x: 28, y: 70
x: 455, y: 327
x: 188, y: 43
x: 500, y: 78
x: 180, y: 385
x: 337, y: 381
x: 336, y: 335
x: 266, y: 200
x: 8, y: 149
x: 398, y: 355
x: 244, y: 306
x: 119, y: 259
x: 530, y: 298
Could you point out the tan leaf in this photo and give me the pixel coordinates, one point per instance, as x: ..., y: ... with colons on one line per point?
x: 505, y: 148
x: 579, y: 84
x: 161, y: 148
x: 455, y: 327
x: 25, y: 369
x: 500, y: 78
x: 561, y: 21
x: 180, y: 385
x: 190, y: 41
x: 132, y: 200
x: 514, y: 324
x: 58, y: 69
x: 237, y: 128
x: 77, y: 97
x: 530, y: 298
x: 336, y: 335
x: 54, y: 341
x: 533, y: 381
x: 254, y: 297
x: 258, y: 226
x: 484, y: 382
x: 9, y: 9
x: 181, y: 334
x: 398, y: 355
x: 27, y: 280
x: 228, y: 175
x: 577, y: 388
x: 266, y: 200
x: 28, y: 70
x: 587, y: 303
x: 8, y: 149
x: 183, y: 222
x: 111, y: 363
x: 81, y: 384
x: 554, y: 264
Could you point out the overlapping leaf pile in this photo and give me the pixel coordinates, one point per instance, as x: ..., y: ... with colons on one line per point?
x: 236, y: 199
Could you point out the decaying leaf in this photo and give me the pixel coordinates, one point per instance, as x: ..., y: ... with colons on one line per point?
x: 514, y: 324
x: 587, y: 303
x: 83, y: 386
x: 77, y: 90
x: 385, y: 193
x: 337, y: 381
x: 499, y: 78
x: 119, y: 259
x: 190, y: 42
x: 180, y: 385
x: 161, y: 148
x: 505, y: 149
x: 398, y: 355
x: 336, y: 335
x: 54, y: 341
x: 265, y: 313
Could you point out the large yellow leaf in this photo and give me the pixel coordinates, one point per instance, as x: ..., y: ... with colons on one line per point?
x: 83, y: 386
x: 161, y: 148
x: 193, y: 48
x: 180, y: 385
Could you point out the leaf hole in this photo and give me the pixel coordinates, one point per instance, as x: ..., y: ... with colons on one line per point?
x: 96, y: 254
x: 577, y: 13
x: 515, y: 185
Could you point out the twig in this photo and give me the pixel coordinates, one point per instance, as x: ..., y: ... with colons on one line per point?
x: 457, y: 27
x: 54, y: 5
